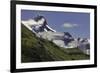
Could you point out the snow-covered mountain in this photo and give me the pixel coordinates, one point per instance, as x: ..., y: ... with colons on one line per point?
x: 84, y: 45
x: 40, y: 27
x: 38, y: 24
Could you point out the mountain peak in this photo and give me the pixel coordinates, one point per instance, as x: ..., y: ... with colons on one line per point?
x: 38, y: 24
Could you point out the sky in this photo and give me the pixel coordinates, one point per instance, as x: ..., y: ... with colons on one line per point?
x: 76, y: 23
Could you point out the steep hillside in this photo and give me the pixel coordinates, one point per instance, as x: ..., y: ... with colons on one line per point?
x: 35, y: 49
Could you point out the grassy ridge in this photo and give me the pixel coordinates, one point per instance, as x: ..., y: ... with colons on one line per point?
x: 35, y: 49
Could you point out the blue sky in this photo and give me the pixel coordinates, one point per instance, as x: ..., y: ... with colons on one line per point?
x: 77, y: 24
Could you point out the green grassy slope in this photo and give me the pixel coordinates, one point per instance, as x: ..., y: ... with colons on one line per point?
x: 35, y: 49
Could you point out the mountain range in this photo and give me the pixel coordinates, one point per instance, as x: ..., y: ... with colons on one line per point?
x: 41, y: 29
x: 41, y: 43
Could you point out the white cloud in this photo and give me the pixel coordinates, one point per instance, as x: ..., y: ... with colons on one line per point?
x: 69, y: 25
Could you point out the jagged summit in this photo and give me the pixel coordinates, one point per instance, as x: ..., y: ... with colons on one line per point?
x: 38, y: 24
